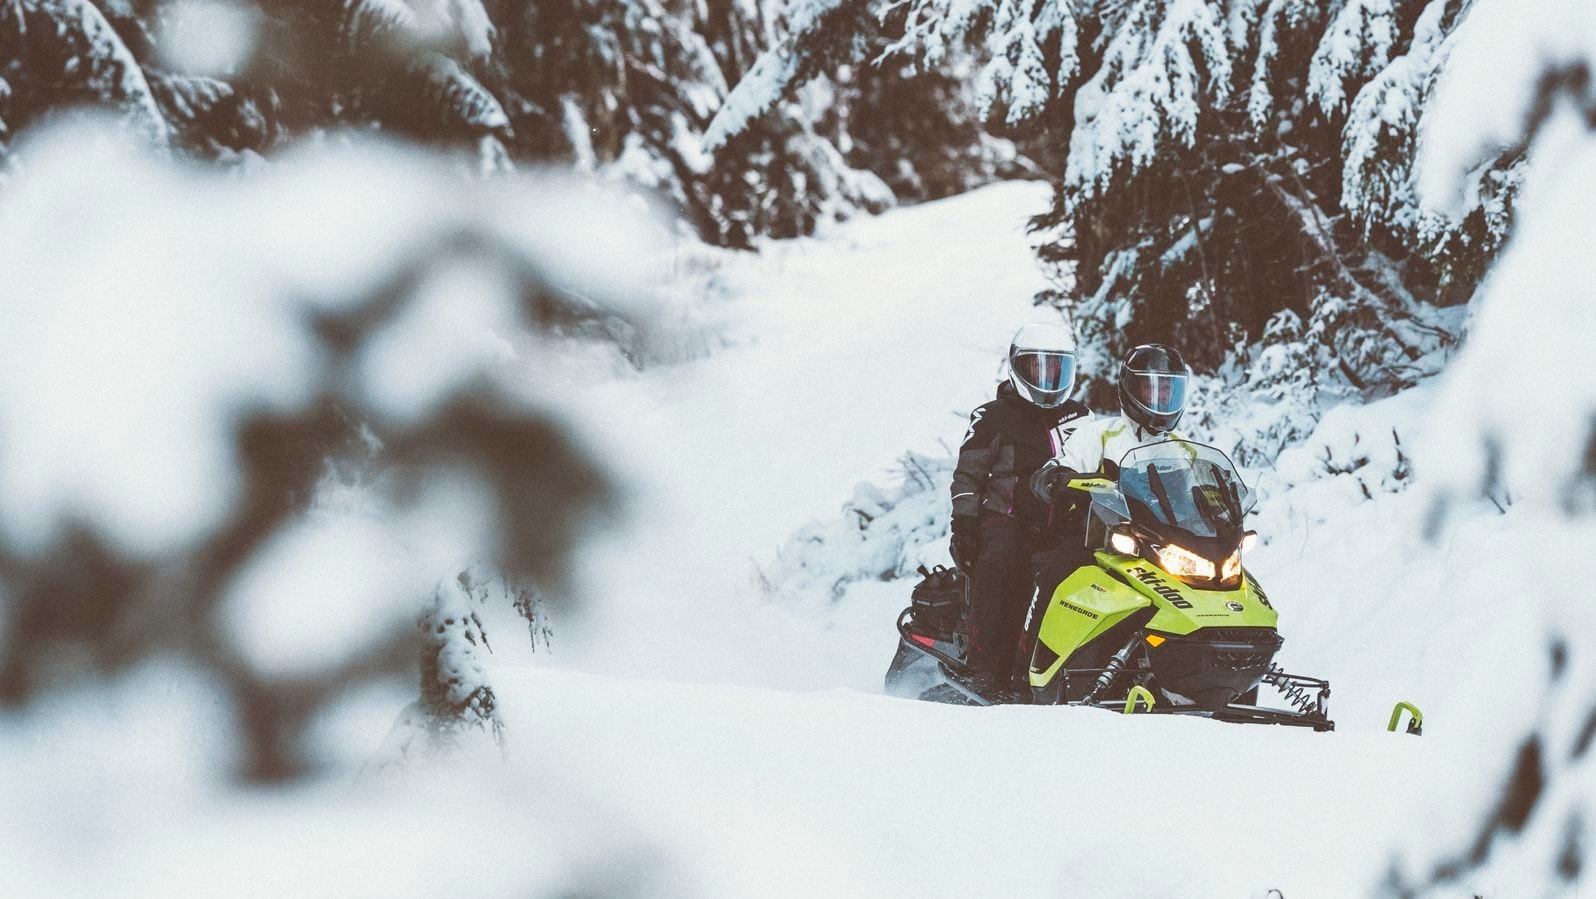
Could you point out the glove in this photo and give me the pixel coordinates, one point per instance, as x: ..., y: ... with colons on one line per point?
x: 965, y: 543
x: 1047, y: 480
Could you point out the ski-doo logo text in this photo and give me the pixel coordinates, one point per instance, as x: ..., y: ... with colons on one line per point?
x: 1159, y: 587
x: 1262, y: 596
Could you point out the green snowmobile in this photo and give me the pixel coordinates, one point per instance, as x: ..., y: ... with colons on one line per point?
x: 1166, y: 621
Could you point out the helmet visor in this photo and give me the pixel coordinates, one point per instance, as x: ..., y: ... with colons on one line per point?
x: 1045, y: 371
x: 1162, y: 393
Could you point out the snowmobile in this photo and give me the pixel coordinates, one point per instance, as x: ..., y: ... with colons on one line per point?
x: 1165, y: 621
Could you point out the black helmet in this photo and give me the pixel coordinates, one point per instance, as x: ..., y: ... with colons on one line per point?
x: 1152, y: 386
x: 1042, y: 363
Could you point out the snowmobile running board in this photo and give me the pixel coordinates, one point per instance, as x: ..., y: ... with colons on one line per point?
x: 1236, y: 713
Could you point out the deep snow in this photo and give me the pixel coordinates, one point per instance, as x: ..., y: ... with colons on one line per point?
x: 693, y: 733
x: 846, y: 351
x: 877, y: 339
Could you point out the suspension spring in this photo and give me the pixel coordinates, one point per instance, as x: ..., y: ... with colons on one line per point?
x: 1112, y: 669
x: 1296, y: 695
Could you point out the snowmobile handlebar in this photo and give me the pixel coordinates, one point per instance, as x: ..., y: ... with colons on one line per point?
x: 1051, y: 481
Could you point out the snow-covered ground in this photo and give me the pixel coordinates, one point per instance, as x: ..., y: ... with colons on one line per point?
x: 875, y: 340
x: 699, y: 730
x: 846, y: 352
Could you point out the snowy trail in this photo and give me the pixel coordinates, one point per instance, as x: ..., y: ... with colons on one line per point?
x: 852, y: 349
x: 857, y: 347
x: 843, y: 794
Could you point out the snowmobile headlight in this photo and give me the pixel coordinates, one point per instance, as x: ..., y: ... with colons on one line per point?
x: 1230, y: 572
x: 1122, y: 542
x: 1183, y: 563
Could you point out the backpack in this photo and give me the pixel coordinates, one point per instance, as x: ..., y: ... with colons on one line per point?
x: 937, y: 600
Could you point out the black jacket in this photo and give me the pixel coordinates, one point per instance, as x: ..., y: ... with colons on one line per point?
x: 1007, y: 441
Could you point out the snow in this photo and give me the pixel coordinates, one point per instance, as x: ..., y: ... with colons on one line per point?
x: 719, y: 444
x: 472, y: 19
x: 207, y: 37
x: 348, y: 583
x: 690, y: 733
x: 1357, y: 44
x: 1147, y: 90
x: 378, y: 20
x: 463, y: 312
x: 1535, y: 307
x: 98, y: 339
x: 1371, y: 598
x: 1488, y: 90
x: 1539, y: 434
x: 769, y: 77
x: 870, y: 796
x: 577, y: 131
x: 113, y: 433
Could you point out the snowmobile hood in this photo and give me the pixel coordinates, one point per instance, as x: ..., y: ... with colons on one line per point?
x: 1182, y: 608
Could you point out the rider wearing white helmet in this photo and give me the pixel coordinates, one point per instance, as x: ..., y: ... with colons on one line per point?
x: 998, y: 522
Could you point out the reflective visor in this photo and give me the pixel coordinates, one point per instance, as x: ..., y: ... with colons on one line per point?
x: 1045, y: 371
x: 1161, y: 392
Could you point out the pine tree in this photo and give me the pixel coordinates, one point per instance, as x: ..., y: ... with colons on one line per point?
x: 920, y: 131
x: 626, y: 86
x: 1235, y: 171
x: 74, y: 586
x: 65, y: 52
x: 1519, y: 427
x: 457, y: 706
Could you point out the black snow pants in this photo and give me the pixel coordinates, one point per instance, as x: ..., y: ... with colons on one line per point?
x: 1001, y: 588
x: 1052, y: 567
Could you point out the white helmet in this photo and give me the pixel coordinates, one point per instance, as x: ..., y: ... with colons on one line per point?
x: 1042, y: 363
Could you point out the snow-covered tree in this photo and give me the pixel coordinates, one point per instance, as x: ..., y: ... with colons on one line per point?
x: 1222, y: 162
x: 457, y: 705
x: 1162, y: 67
x: 201, y: 432
x: 836, y: 63
x: 1514, y: 103
x: 65, y: 52
x: 1205, y: 190
x: 623, y: 86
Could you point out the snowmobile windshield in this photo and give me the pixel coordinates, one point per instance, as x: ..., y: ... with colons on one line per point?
x: 1049, y: 372
x: 1185, y: 485
x: 1160, y: 392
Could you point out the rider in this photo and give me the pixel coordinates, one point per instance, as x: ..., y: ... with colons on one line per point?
x: 998, y: 522
x: 1153, y: 382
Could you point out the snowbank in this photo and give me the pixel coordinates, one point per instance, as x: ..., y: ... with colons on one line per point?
x: 659, y: 749
x: 1371, y: 596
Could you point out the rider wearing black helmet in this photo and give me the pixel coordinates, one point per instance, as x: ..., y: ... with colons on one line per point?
x: 1153, y: 384
x: 998, y: 522
x: 1152, y: 387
